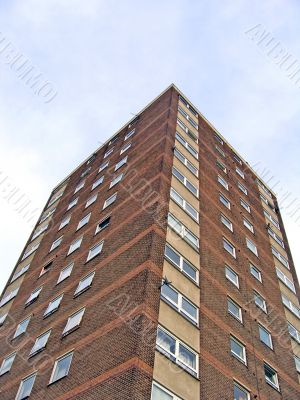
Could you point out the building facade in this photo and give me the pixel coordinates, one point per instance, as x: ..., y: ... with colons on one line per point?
x: 159, y: 269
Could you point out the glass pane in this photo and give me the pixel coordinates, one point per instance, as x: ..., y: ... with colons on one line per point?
x: 169, y: 293
x: 265, y: 336
x: 170, y: 253
x: 166, y: 341
x: 159, y: 394
x: 237, y: 348
x: 187, y: 356
x: 191, y: 210
x: 25, y: 388
x: 189, y: 270
x: 189, y: 308
x: 233, y: 309
x: 239, y: 393
x: 175, y: 196
x: 62, y: 367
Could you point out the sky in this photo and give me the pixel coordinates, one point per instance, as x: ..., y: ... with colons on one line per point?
x: 103, y: 61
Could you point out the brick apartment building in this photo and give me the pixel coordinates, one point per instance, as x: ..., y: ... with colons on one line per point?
x: 159, y: 269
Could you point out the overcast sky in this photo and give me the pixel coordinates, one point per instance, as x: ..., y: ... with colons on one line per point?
x: 108, y: 59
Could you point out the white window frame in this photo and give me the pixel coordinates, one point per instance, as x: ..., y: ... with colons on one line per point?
x: 296, y: 333
x: 220, y: 151
x: 233, y: 252
x: 34, y: 295
x: 248, y: 224
x: 276, y: 237
x: 43, y: 337
x: 223, y: 182
x: 245, y: 205
x: 243, y: 188
x: 240, y: 172
x: 108, y: 152
x: 176, y: 356
x: 21, y: 385
x: 221, y: 166
x: 49, y: 310
x: 219, y: 139
x: 229, y: 269
x: 29, y: 250
x: 20, y: 272
x: 98, y: 229
x: 65, y: 222
x: 226, y: 222
x: 91, y: 200
x: 86, y: 277
x: 272, y: 219
x: 259, y: 277
x: 188, y: 117
x: 103, y: 166
x: 178, y: 305
x: 74, y: 245
x: 186, y: 144
x: 190, y: 166
x: 83, y: 221
x: 181, y: 264
x: 290, y: 306
x: 72, y: 203
x: 163, y: 389
x: 183, y: 231
x: 239, y: 343
x: 108, y: 200
x: 251, y: 246
x: 284, y: 279
x: 67, y: 268
x: 9, y: 296
x: 125, y: 148
x: 98, y: 182
x: 276, y: 384
x: 129, y: 134
x: 56, y: 364
x: 185, y: 205
x: 116, y: 180
x: 57, y: 242
x: 7, y: 360
x: 20, y: 330
x: 238, y: 318
x: 79, y: 186
x: 262, y: 328
x: 185, y: 181
x: 67, y: 328
x: 187, y: 130
x: 280, y: 257
x: 228, y: 204
x: 121, y: 163
x: 258, y: 296
x: 242, y: 389
x: 90, y: 253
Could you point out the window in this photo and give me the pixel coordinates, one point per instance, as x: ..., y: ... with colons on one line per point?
x: 272, y: 219
x: 75, y: 245
x: 120, y: 163
x: 181, y: 263
x: 34, y: 296
x: 232, y: 276
x: 38, y: 232
x: 285, y: 280
x: 73, y: 322
x: 260, y: 301
x: 265, y: 336
x: 251, y: 246
x: 46, y: 268
x: 182, y: 231
x: 116, y: 180
x: 242, y: 188
x: 280, y: 257
x: 240, y: 172
x: 294, y: 333
x: 91, y: 159
x: 192, y: 188
x: 47, y: 215
x: 56, y: 243
x: 110, y: 200
x: 240, y: 393
x: 30, y: 250
x: 297, y: 363
x: 229, y: 247
x: 91, y: 200
x: 218, y: 139
x: 54, y: 199
x: 254, y: 271
x: 185, y: 161
x: 161, y: 393
x: 187, y: 105
x: 225, y: 221
x: 223, y: 182
x: 187, y: 117
x: 84, y: 284
x: 224, y: 200
x: 83, y: 221
x: 221, y: 166
x: 234, y: 309
x: 9, y: 296
x: 103, y: 166
x: 73, y: 203
x: 271, y: 376
x: 95, y: 250
x: 7, y: 363
x: 103, y: 224
x: 237, y: 159
x: 108, y: 152
x: 177, y: 351
x: 276, y: 237
x: 180, y: 302
x: 113, y: 140
x: 125, y: 148
x: 248, y: 225
x: 65, y: 222
x: 184, y: 205
x: 264, y: 188
x: 65, y: 273
x: 40, y: 343
x: 187, y: 130
x: 129, y: 134
x: 97, y: 182
x: 290, y: 305
x: 238, y: 350
x: 22, y: 327
x: 184, y: 143
x: 53, y: 306
x: 85, y: 172
x: 25, y: 387
x: 61, y: 367
x: 20, y: 272
x: 79, y: 186
x: 220, y: 151
x: 3, y: 318
x: 245, y: 205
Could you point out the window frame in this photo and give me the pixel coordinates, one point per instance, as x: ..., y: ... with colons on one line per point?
x: 72, y: 248
x: 69, y: 354
x: 185, y: 205
x: 40, y: 337
x: 226, y: 222
x: 182, y: 261
x: 49, y: 311
x: 6, y: 360
x: 82, y: 222
x: 235, y: 283
x: 90, y: 256
x: 33, y: 375
x: 79, y: 292
x: 105, y: 201
x: 236, y: 305
x: 69, y: 266
x: 73, y: 327
x: 276, y: 384
x: 233, y: 253
x: 262, y: 328
x: 243, y: 359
